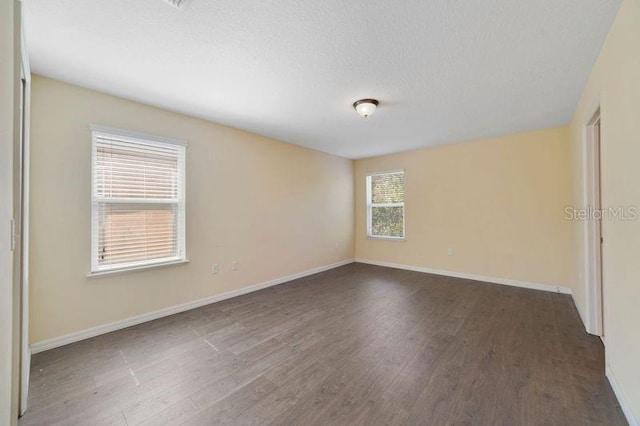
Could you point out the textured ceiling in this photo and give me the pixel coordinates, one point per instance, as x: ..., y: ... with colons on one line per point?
x: 444, y: 70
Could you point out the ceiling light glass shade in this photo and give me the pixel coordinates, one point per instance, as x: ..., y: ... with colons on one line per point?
x: 365, y: 107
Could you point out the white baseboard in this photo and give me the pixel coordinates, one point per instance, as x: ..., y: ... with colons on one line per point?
x: 149, y: 316
x: 503, y: 281
x: 622, y: 400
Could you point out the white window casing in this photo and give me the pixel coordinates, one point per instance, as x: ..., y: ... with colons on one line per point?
x: 386, y: 191
x: 137, y: 201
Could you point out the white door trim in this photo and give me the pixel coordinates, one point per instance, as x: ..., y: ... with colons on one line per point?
x: 25, y: 359
x: 594, y: 281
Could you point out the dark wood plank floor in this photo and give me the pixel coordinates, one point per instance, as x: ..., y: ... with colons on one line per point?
x: 355, y: 345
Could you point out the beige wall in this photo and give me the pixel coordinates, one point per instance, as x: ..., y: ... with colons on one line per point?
x: 615, y: 84
x: 499, y: 203
x: 277, y: 208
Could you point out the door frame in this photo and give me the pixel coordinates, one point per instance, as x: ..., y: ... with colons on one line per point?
x: 595, y: 288
x: 25, y: 125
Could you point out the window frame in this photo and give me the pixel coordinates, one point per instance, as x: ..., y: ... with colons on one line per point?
x: 371, y: 205
x: 98, y: 131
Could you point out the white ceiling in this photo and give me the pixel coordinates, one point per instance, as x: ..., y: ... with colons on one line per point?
x: 444, y: 70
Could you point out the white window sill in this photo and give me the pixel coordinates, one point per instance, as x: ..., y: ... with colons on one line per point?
x: 116, y: 271
x: 374, y: 237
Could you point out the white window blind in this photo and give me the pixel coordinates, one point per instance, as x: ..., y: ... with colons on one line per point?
x: 138, y: 209
x: 385, y: 205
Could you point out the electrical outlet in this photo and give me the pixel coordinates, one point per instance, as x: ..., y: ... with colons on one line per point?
x: 214, y: 268
x: 450, y: 252
x: 235, y: 265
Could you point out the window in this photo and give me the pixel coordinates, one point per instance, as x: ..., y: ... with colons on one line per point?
x: 385, y: 205
x: 138, y: 203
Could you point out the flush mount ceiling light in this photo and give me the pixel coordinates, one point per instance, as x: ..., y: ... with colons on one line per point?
x: 365, y: 107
